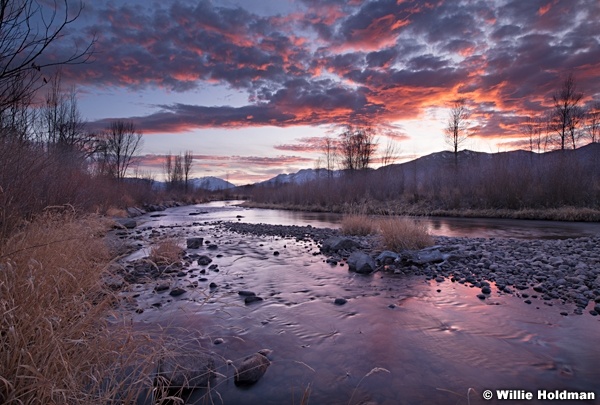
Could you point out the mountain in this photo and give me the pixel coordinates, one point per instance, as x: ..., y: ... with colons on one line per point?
x: 211, y: 183
x: 440, y: 162
x: 300, y: 177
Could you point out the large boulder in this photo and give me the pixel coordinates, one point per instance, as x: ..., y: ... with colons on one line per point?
x: 361, y: 263
x: 252, y: 368
x: 337, y: 243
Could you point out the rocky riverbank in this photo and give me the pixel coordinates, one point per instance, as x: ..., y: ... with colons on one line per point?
x: 538, y: 271
x: 541, y: 272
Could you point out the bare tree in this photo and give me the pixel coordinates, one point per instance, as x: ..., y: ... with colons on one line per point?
x: 457, y: 128
x: 390, y: 153
x: 357, y: 147
x: 592, y: 122
x: 188, y: 159
x: 61, y: 126
x: 536, y: 129
x: 566, y: 113
x: 28, y: 30
x: 17, y: 119
x: 168, y: 168
x: 177, y: 175
x: 330, y: 151
x: 119, y: 144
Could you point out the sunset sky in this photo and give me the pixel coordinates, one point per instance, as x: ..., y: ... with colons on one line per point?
x: 252, y: 86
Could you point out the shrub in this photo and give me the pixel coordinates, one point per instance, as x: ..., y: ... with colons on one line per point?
x: 401, y: 233
x: 358, y: 225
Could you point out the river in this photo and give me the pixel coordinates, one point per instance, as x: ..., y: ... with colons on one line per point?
x: 397, y: 340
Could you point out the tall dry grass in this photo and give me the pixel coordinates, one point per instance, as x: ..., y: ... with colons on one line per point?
x: 401, y: 233
x: 56, y: 342
x: 166, y: 252
x: 395, y: 233
x: 359, y: 225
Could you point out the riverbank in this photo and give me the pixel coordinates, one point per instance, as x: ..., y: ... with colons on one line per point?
x: 537, y: 271
x: 567, y: 213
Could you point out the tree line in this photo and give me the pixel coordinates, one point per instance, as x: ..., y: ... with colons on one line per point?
x: 566, y: 123
x: 48, y: 155
x: 562, y: 126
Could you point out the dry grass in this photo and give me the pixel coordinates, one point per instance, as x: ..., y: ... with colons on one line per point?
x: 396, y: 233
x: 57, y: 345
x: 400, y: 233
x: 116, y: 212
x: 358, y: 225
x: 166, y: 252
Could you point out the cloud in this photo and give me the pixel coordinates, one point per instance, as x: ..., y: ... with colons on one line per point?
x: 233, y: 168
x: 338, y: 62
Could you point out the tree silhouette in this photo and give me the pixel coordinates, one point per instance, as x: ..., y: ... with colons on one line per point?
x: 457, y: 128
x: 567, y: 113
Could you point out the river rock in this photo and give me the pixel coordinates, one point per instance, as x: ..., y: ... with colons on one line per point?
x: 204, y: 260
x: 127, y: 223
x: 163, y: 286
x: 135, y: 211
x: 186, y: 371
x: 426, y: 256
x: 387, y: 257
x: 337, y: 243
x: 175, y: 292
x: 194, y: 243
x: 251, y: 299
x: 360, y: 262
x: 252, y: 369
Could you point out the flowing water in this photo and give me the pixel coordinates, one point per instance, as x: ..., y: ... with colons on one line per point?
x: 397, y: 340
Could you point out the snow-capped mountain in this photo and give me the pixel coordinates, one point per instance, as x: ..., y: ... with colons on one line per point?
x: 300, y: 177
x: 211, y: 183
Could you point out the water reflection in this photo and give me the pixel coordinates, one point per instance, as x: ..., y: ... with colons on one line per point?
x: 398, y: 340
x: 439, y: 226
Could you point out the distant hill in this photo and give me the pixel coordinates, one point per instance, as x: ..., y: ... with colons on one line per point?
x: 438, y: 162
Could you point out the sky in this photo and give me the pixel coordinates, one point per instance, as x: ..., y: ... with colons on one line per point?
x: 252, y: 87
